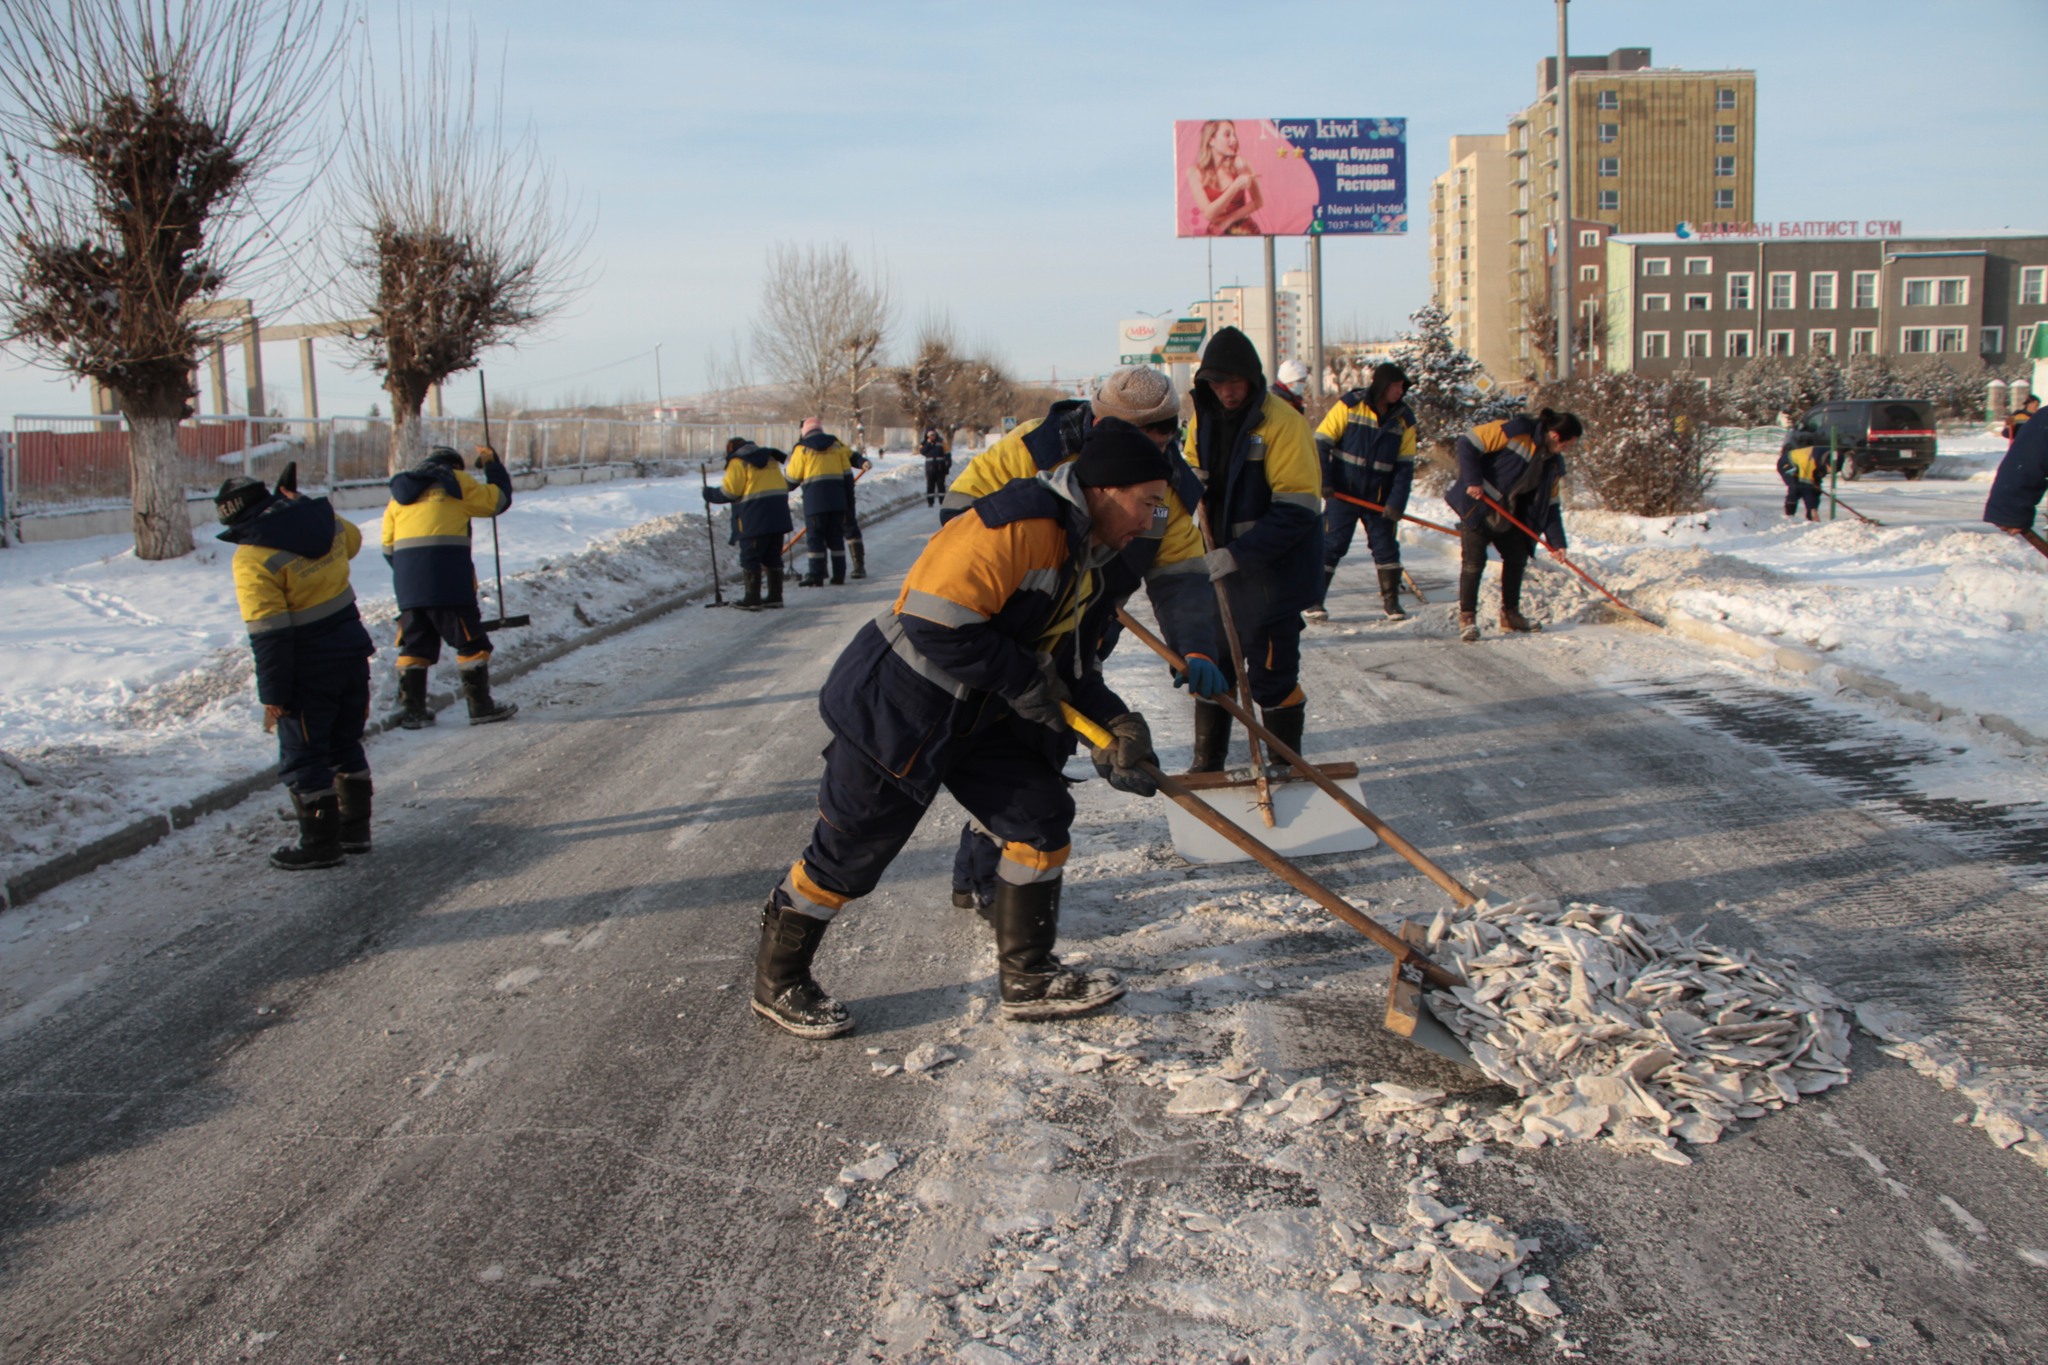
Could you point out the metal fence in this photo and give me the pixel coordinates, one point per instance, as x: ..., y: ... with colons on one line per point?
x: 53, y: 464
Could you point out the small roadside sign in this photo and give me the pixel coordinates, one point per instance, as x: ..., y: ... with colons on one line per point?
x: 1184, y: 339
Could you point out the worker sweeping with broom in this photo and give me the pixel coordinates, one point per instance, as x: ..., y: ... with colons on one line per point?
x: 1508, y: 473
x: 959, y: 686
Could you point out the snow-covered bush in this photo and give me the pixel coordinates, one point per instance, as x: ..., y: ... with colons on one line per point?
x: 1649, y: 447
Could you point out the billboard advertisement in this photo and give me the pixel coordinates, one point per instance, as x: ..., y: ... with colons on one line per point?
x: 1289, y: 177
x: 1138, y: 340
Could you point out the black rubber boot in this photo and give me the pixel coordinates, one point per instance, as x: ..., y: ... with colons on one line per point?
x: 476, y: 689
x: 838, y: 570
x: 319, y: 835
x: 752, y: 599
x: 774, y: 597
x: 1212, y: 738
x: 1286, y: 723
x: 352, y: 793
x: 859, y: 550
x: 412, y: 698
x: 1390, y: 592
x: 1035, y: 984
x: 784, y: 993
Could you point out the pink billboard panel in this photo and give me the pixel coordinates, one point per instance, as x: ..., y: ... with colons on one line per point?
x: 1289, y: 177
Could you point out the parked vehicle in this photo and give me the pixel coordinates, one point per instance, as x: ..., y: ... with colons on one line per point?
x: 1871, y: 433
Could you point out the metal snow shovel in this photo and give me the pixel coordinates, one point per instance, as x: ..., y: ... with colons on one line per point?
x: 710, y: 537
x: 1407, y: 1014
x: 502, y: 621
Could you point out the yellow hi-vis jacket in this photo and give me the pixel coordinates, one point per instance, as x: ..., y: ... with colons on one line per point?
x: 426, y: 532
x: 292, y: 585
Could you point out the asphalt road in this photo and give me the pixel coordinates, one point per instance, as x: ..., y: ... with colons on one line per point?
x: 492, y: 1093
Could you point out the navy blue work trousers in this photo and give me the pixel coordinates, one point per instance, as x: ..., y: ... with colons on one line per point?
x: 323, y: 732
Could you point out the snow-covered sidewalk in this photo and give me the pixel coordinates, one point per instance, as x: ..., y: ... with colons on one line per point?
x: 130, y: 689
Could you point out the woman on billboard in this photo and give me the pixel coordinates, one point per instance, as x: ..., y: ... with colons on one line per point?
x: 1223, y: 192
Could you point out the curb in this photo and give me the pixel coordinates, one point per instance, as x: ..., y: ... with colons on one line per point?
x: 31, y: 882
x: 1849, y: 678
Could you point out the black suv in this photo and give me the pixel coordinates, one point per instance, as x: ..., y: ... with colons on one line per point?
x: 1871, y: 433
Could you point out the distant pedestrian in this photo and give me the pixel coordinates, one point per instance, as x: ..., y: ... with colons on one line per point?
x: 822, y: 466
x: 758, y: 494
x: 312, y: 659
x: 1518, y: 464
x: 938, y: 465
x: 426, y: 540
x: 1293, y: 384
x: 2018, y: 417
x: 858, y: 463
x: 1803, y: 467
x: 1367, y: 444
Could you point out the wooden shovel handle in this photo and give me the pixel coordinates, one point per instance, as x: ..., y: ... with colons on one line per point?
x: 1460, y: 896
x: 1404, y: 953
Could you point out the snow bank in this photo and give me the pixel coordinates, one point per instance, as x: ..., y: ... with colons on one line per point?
x: 130, y: 688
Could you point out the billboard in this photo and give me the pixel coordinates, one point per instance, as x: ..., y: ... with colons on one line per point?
x: 1289, y: 177
x: 1138, y: 340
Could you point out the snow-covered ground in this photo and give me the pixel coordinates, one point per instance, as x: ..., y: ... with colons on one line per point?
x: 129, y: 686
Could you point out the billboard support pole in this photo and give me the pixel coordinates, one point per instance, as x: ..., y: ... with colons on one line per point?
x: 1272, y: 315
x: 1561, y: 299
x: 1315, y: 317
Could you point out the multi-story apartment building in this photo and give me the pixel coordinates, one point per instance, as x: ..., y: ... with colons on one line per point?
x: 1468, y: 249
x: 1701, y: 304
x: 1243, y: 306
x: 1651, y: 149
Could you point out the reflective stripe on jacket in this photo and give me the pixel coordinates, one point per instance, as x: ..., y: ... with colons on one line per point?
x: 757, y: 492
x: 822, y: 465
x: 1360, y: 450
x: 426, y: 532
x: 1271, y: 507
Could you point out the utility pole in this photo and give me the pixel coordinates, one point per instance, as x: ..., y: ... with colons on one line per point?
x: 657, y: 381
x: 1562, y: 295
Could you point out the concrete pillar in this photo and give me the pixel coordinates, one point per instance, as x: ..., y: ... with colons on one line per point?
x: 1995, y: 407
x: 308, y: 389
x: 252, y: 361
x: 434, y: 405
x: 217, y: 366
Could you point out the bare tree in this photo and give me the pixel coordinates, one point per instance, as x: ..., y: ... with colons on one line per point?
x: 459, y: 236
x: 926, y: 383
x: 821, y: 327
x: 149, y: 147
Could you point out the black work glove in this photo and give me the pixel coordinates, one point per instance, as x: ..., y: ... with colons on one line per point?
x: 1118, y: 764
x: 1040, y: 702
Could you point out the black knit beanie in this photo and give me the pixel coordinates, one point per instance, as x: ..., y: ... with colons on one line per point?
x: 1116, y: 454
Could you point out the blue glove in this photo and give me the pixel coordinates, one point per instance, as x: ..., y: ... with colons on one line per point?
x: 1201, y: 677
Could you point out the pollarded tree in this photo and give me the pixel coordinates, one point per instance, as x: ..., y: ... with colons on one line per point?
x: 150, y: 147
x: 822, y: 324
x: 459, y: 237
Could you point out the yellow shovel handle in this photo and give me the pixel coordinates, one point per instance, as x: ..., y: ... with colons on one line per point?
x: 1087, y: 729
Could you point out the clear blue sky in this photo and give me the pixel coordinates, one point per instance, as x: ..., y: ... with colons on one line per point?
x: 1009, y: 164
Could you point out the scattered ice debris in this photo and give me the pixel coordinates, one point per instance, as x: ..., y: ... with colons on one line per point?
x: 1612, y: 1026
x: 836, y: 1196
x: 1538, y: 1304
x: 1208, y: 1095
x: 926, y: 1057
x: 874, y: 1168
x: 2034, y: 1256
x: 1860, y: 1343
x: 2011, y: 1104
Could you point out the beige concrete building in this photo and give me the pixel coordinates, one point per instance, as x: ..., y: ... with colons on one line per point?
x: 1243, y: 306
x: 1651, y: 149
x: 1470, y: 264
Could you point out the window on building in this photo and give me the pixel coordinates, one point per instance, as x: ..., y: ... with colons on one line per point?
x: 1656, y: 303
x: 1784, y: 288
x: 1699, y: 265
x: 1739, y: 345
x: 1740, y: 286
x: 1952, y: 340
x: 1777, y: 343
x: 2023, y: 340
x: 1698, y: 303
x: 1724, y: 132
x: 1820, y: 290
x: 1724, y: 98
x: 2034, y: 284
x: 1699, y: 345
x: 1464, y: 253
x: 1656, y: 265
x: 1724, y: 167
x: 1948, y: 292
x: 1863, y: 289
x: 1610, y: 167
x: 1821, y: 341
x: 1610, y: 99
x: 1656, y: 345
x: 1589, y: 273
x: 1916, y: 340
x: 1724, y: 199
x: 1590, y: 237
x: 1990, y: 340
x: 1863, y: 341
x: 1610, y: 132
x: 1610, y: 201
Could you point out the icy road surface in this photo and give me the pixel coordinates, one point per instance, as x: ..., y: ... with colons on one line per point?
x: 493, y: 1091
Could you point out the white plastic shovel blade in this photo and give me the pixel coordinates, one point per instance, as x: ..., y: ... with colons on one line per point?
x: 1305, y: 820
